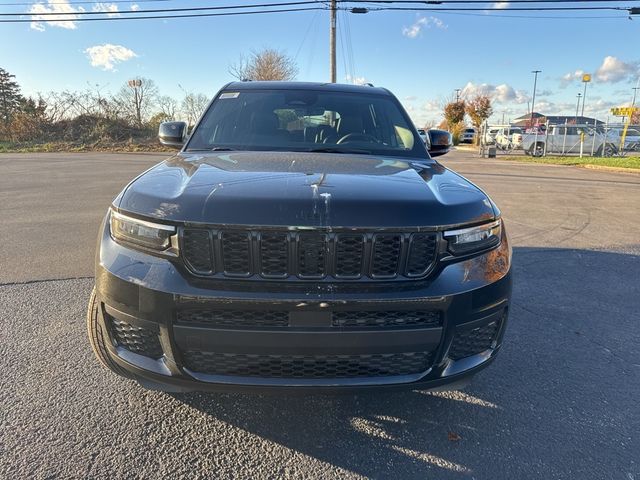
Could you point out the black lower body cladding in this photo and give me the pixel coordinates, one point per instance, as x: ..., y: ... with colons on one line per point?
x: 173, y: 330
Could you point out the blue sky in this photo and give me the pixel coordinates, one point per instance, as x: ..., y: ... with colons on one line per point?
x: 421, y: 57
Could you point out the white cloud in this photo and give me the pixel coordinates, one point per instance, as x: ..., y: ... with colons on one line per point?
x: 107, y: 56
x: 501, y: 93
x: 135, y: 6
x: 423, y: 113
x: 571, y: 77
x: 423, y: 22
x: 614, y: 70
x: 501, y: 5
x: 356, y: 80
x: 111, y: 9
x: 63, y: 10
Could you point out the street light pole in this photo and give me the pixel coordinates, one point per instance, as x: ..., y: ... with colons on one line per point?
x: 533, y: 100
x: 332, y: 41
x: 458, y: 90
x: 578, y: 106
x: 586, y: 78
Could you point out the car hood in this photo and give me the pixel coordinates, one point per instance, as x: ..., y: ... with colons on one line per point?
x: 304, y: 189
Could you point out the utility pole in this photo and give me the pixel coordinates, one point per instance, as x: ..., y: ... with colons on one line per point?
x: 633, y: 102
x: 533, y: 100
x: 586, y: 78
x: 458, y: 90
x: 578, y: 106
x: 332, y: 41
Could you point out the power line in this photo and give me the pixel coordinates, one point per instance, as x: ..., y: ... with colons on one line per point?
x: 156, y: 17
x: 304, y: 38
x: 423, y: 2
x: 545, y: 17
x: 86, y: 2
x: 494, y: 9
x: 349, y: 42
x: 166, y: 10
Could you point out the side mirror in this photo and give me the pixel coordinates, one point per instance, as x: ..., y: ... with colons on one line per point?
x: 172, y: 134
x: 440, y: 142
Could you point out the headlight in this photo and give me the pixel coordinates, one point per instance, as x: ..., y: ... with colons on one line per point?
x: 474, y: 239
x: 139, y: 232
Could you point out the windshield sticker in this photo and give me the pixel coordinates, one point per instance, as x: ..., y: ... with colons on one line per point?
x: 229, y: 95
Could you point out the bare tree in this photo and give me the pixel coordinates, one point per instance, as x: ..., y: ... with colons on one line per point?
x: 137, y: 99
x: 168, y: 107
x: 193, y: 104
x: 267, y: 64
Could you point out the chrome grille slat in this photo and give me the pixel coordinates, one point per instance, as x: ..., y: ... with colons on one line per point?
x: 308, y: 255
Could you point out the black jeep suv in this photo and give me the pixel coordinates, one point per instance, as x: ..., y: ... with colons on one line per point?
x: 302, y: 237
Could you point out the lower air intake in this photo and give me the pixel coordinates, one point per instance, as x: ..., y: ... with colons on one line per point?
x: 307, y: 366
x: 136, y: 339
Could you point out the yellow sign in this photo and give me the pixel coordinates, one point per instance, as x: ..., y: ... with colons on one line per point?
x: 624, y: 111
x: 586, y: 77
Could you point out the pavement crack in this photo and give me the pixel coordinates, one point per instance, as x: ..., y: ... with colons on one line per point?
x: 45, y: 280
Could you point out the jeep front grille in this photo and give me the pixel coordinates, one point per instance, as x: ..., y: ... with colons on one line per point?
x: 308, y: 255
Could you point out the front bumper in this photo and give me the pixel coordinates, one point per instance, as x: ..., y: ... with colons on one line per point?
x: 164, y: 328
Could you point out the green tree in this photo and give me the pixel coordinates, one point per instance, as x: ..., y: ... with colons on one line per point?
x: 10, y: 97
x: 29, y: 122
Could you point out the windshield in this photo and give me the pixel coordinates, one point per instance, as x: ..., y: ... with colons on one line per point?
x: 306, y: 120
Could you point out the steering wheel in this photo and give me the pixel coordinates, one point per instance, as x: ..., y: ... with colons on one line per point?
x: 357, y: 137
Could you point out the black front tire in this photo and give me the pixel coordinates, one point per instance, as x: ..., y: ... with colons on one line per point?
x: 606, y: 150
x: 537, y: 150
x: 98, y: 337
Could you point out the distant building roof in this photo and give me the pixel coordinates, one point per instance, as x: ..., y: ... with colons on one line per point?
x: 525, y: 120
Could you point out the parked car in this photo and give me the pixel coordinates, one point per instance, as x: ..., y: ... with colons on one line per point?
x: 563, y: 139
x: 631, y: 139
x: 468, y: 135
x: 302, y: 237
x: 490, y: 135
x: 509, y: 138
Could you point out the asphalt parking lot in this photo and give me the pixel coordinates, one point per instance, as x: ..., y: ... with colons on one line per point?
x: 559, y: 402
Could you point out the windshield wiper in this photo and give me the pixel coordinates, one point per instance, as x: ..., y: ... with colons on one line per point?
x: 338, y: 150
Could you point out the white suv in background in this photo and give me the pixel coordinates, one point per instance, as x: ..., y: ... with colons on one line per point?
x: 509, y: 138
x: 490, y: 135
x: 468, y: 135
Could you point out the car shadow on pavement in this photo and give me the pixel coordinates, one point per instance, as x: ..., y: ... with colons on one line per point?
x: 533, y: 412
